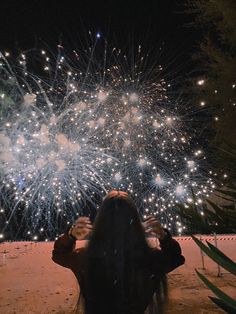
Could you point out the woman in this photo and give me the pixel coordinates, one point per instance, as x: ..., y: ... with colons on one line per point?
x: 118, y: 272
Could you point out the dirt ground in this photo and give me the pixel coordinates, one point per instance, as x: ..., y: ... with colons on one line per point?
x: 31, y: 283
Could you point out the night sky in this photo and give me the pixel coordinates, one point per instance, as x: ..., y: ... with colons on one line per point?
x: 161, y: 27
x: 29, y: 24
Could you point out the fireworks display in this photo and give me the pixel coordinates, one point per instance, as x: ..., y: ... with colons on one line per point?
x: 78, y: 129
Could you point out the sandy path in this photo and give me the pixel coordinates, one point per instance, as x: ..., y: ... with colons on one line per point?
x: 31, y: 283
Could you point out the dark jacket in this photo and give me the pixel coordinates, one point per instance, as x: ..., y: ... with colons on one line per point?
x: 161, y: 261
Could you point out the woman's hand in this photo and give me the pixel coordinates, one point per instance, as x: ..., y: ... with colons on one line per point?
x: 81, y: 228
x: 152, y: 225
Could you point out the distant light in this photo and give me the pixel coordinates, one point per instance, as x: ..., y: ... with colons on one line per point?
x: 201, y: 82
x: 102, y: 96
x: 98, y: 35
x: 142, y: 162
x: 191, y: 163
x: 159, y: 181
x: 1, y: 236
x: 133, y: 97
x: 117, y: 177
x: 179, y: 190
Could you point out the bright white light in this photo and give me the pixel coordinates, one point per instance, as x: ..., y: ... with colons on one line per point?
x: 200, y: 82
x: 142, y: 162
x: 156, y: 125
x: 117, y: 177
x: 29, y: 99
x: 133, y: 97
x: 179, y: 190
x: 159, y: 181
x: 191, y: 163
x: 102, y: 96
x: 169, y: 120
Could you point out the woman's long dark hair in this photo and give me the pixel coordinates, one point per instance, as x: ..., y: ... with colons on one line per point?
x: 118, y: 256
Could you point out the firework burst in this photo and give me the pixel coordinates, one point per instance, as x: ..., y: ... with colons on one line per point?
x: 72, y: 133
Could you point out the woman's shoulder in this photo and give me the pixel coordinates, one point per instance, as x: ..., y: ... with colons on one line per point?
x: 81, y: 250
